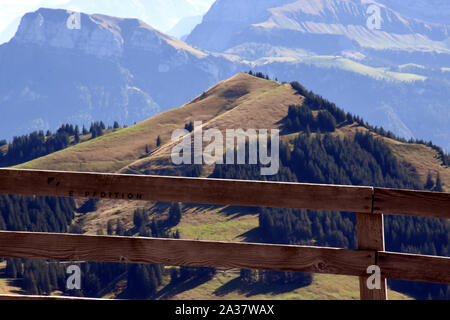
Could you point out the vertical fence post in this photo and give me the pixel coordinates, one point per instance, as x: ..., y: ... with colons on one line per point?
x: 370, y: 230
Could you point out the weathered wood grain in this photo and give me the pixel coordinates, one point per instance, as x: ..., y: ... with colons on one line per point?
x: 370, y: 234
x: 184, y: 252
x: 189, y: 190
x: 412, y: 203
x: 414, y: 267
x: 369, y: 203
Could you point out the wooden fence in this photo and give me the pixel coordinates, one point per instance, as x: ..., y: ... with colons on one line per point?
x: 368, y: 203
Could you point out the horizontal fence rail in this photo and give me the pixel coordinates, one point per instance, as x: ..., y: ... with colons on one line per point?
x: 185, y: 252
x: 412, y: 203
x: 369, y: 204
x: 414, y: 267
x: 225, y: 192
x: 217, y: 254
x: 188, y: 190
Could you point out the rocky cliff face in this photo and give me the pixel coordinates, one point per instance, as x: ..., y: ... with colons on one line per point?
x: 64, y: 29
x: 437, y: 11
x: 63, y: 66
x: 228, y: 17
x: 230, y: 23
x: 98, y: 35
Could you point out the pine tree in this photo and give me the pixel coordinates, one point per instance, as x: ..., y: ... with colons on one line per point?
x: 174, y: 214
x: 44, y: 283
x: 30, y: 284
x: 246, y: 275
x: 2, y: 223
x: 326, y: 121
x: 74, y: 228
x: 154, y: 280
x: 120, y: 229
x: 308, y: 131
x: 438, y: 187
x: 110, y: 227
x: 138, y: 218
x: 429, y: 184
x: 53, y: 277
x: 189, y: 126
x: 77, y: 137
x: 158, y: 141
x: 11, y: 270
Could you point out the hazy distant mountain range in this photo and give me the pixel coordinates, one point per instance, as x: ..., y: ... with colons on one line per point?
x: 160, y: 14
x: 375, y: 62
x: 437, y: 11
x: 371, y: 60
x: 109, y: 69
x: 321, y: 26
x: 184, y: 27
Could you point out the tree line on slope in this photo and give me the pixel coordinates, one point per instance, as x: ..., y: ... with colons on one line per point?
x: 315, y: 101
x: 36, y: 214
x: 364, y: 160
x: 45, y: 277
x: 37, y: 144
x: 143, y: 281
x: 50, y: 214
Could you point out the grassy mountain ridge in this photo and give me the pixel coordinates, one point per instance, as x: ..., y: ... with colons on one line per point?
x: 113, y: 152
x: 243, y: 101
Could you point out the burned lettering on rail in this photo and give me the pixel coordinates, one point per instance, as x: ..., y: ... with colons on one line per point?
x: 107, y: 195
